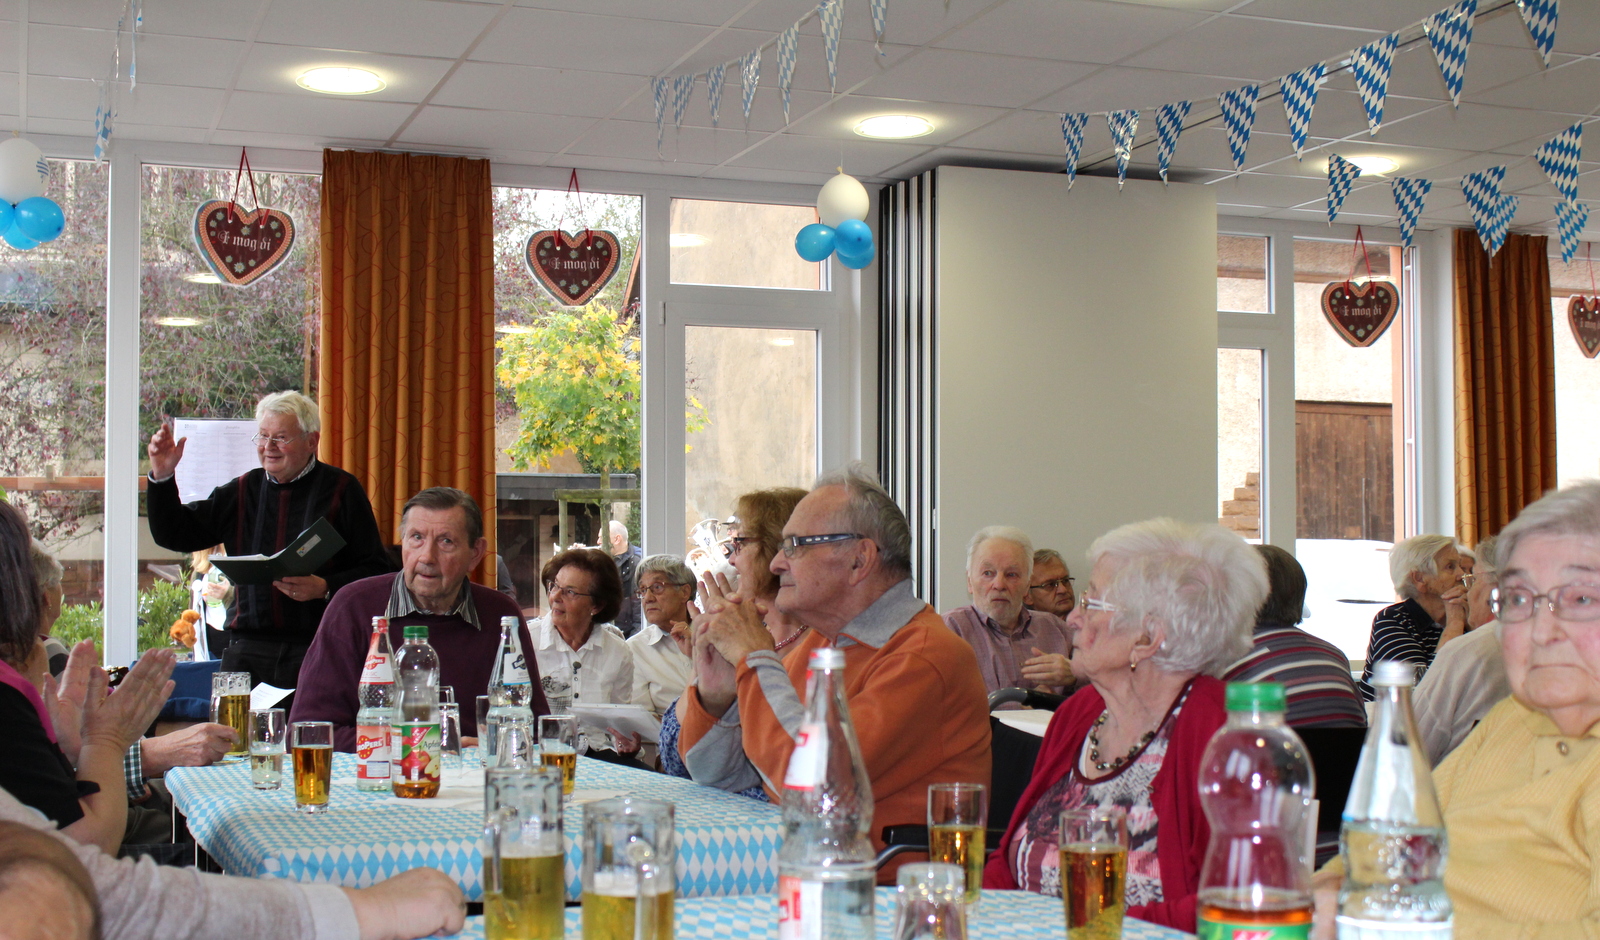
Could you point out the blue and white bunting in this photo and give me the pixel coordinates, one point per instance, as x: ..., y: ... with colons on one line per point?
x: 658, y: 89
x: 682, y: 91
x: 788, y: 47
x: 1540, y: 17
x: 1571, y: 217
x: 1299, y: 90
x: 1558, y: 157
x: 1072, y: 136
x: 1123, y: 125
x: 714, y: 80
x: 1450, y: 34
x: 831, y: 14
x: 1371, y: 65
x: 1485, y: 205
x: 1409, y: 194
x: 1238, y: 117
x: 880, y: 19
x: 750, y: 75
x: 1169, y: 124
x: 1342, y: 174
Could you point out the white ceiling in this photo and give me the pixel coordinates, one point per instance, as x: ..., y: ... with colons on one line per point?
x: 566, y: 83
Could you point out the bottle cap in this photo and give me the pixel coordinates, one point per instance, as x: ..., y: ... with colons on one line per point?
x: 415, y: 632
x: 380, y: 623
x: 508, y: 623
x: 1394, y: 672
x: 827, y: 657
x: 1255, y: 696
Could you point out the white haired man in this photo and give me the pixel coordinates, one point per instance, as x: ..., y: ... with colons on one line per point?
x: 1427, y: 574
x: 1017, y: 648
x: 260, y: 513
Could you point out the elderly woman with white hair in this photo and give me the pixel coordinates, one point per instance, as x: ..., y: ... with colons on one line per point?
x: 1167, y: 608
x: 1428, y: 573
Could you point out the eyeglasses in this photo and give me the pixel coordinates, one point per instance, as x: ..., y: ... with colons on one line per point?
x: 734, y: 544
x: 277, y: 439
x: 557, y: 590
x: 794, y: 543
x: 1087, y: 603
x: 1580, y: 602
x: 656, y: 589
x: 1051, y: 585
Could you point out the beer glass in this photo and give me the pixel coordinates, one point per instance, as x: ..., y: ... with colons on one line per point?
x: 558, y: 747
x: 928, y: 903
x: 313, y: 765
x: 629, y: 854
x: 1094, y: 870
x: 230, y: 705
x: 267, y: 729
x: 524, y: 866
x: 516, y: 745
x: 957, y: 815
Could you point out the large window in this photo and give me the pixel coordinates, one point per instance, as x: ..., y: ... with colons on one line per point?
x: 1239, y: 376
x: 741, y: 244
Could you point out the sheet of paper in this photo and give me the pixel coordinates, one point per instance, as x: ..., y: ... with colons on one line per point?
x: 216, y: 452
x: 629, y: 719
x: 267, y: 696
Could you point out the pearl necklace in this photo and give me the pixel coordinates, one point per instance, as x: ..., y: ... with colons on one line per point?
x: 1115, y: 762
x: 792, y: 637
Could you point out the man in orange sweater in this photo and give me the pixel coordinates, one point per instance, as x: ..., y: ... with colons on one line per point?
x: 916, y: 695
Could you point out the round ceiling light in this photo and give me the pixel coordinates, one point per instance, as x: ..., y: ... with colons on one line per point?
x: 686, y: 240
x: 341, y: 81
x: 1374, y: 165
x: 202, y: 277
x: 894, y: 127
x: 179, y: 321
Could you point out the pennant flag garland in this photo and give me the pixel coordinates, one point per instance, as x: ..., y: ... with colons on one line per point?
x: 880, y: 16
x: 1123, y: 125
x: 1299, y: 90
x: 1540, y: 17
x: 682, y: 89
x: 1169, y: 124
x: 1571, y: 217
x: 1239, y: 116
x: 1486, y: 205
x: 1072, y: 134
x: 714, y: 79
x: 750, y: 74
x: 1450, y: 33
x: 1408, y: 198
x: 788, y: 46
x: 1371, y: 65
x: 831, y: 13
x: 658, y: 88
x: 1558, y: 157
x: 1342, y: 174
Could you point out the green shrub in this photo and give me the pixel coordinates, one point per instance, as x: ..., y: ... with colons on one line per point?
x: 159, y: 606
x: 80, y: 622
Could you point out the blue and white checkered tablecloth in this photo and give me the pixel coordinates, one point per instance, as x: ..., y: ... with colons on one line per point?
x: 1001, y: 915
x: 727, y: 844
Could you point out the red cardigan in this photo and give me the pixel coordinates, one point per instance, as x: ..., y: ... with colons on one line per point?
x: 1174, y: 795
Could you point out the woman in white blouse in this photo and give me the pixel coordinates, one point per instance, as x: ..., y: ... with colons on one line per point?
x: 661, y: 669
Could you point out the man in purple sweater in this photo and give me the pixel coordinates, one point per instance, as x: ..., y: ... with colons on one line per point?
x: 441, y: 539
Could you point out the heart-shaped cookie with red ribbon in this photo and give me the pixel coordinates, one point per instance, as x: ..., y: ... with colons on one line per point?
x: 1360, y: 312
x: 242, y: 247
x: 1583, y: 315
x: 572, y: 268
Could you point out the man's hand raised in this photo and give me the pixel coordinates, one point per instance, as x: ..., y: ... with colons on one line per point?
x: 165, y: 452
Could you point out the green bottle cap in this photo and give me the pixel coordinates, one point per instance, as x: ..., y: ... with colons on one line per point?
x: 415, y: 632
x: 1255, y: 696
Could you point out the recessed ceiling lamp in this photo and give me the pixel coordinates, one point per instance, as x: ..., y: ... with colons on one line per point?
x: 686, y: 240
x: 202, y: 277
x: 894, y: 127
x: 1374, y: 165
x: 179, y: 321
x: 341, y: 81
x: 513, y: 328
x: 782, y: 341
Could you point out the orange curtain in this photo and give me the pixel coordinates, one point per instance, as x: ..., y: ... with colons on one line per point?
x: 406, y: 371
x: 1505, y: 382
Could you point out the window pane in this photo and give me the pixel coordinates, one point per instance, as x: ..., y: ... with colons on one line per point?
x: 52, y: 390
x: 1577, y: 380
x: 209, y: 350
x: 1239, y: 440
x: 752, y: 414
x: 1242, y: 274
x: 741, y: 244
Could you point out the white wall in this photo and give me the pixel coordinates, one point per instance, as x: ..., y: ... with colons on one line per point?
x: 1077, y: 359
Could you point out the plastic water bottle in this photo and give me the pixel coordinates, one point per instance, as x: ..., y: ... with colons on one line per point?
x: 415, y: 771
x: 825, y: 867
x: 377, y: 714
x: 510, y: 689
x: 1256, y: 787
x: 1393, y: 839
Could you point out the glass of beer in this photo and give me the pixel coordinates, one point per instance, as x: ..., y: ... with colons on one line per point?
x: 524, y: 867
x: 957, y: 815
x: 268, y: 728
x: 629, y: 854
x: 928, y: 902
x: 230, y: 705
x: 313, y: 765
x: 558, y: 747
x: 1094, y: 870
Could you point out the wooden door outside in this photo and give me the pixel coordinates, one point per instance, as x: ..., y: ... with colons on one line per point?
x: 1344, y: 470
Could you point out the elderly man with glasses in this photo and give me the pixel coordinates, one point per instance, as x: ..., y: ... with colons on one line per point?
x: 1017, y: 648
x: 261, y: 512
x: 913, y: 687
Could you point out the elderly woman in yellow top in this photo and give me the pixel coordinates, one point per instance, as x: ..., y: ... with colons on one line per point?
x: 1521, y: 795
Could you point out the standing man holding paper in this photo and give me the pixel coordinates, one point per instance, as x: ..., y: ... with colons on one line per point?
x: 261, y: 512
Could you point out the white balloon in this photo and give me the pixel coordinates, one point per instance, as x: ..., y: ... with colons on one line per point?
x: 23, y: 171
x: 842, y: 197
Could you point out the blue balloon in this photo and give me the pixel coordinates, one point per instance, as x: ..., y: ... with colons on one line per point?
x: 7, y: 212
x: 16, y: 239
x: 814, y: 242
x: 856, y: 262
x: 40, y: 218
x: 853, y: 237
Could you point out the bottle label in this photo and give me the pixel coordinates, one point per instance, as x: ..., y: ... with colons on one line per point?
x: 379, y: 670
x: 372, y: 752
x: 808, y: 762
x: 516, y: 669
x: 1233, y: 930
x: 799, y: 908
x: 419, y: 752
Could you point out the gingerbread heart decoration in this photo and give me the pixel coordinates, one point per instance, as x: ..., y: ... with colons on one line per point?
x: 1583, y: 315
x: 1360, y: 312
x: 572, y: 268
x: 242, y: 247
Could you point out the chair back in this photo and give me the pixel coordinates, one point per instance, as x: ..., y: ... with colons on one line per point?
x: 1012, y: 753
x: 1334, y: 753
